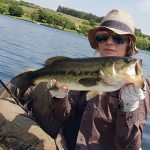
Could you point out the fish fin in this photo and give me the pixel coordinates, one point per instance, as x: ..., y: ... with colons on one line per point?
x: 88, y: 81
x: 23, y: 80
x: 52, y: 60
x: 91, y: 94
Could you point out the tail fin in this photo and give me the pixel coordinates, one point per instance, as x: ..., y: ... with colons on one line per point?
x: 23, y: 80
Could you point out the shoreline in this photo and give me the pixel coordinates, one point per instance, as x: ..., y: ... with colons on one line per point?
x: 44, y: 24
x: 50, y: 26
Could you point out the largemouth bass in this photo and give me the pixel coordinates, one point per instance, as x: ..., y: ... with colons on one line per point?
x: 85, y: 74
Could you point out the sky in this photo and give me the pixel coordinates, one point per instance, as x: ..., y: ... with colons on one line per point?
x: 139, y: 9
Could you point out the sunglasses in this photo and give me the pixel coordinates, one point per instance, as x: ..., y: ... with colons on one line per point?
x: 103, y: 36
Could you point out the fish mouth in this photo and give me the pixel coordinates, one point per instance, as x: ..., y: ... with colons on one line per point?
x: 139, y: 72
x: 138, y: 67
x: 137, y: 63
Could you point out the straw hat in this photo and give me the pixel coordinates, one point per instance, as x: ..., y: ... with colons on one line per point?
x: 117, y: 21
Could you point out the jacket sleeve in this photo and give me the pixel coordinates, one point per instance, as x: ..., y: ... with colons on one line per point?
x: 148, y: 94
x: 64, y: 108
x: 132, y: 124
x: 50, y: 112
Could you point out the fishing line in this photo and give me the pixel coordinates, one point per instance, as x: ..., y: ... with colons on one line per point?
x: 11, y: 94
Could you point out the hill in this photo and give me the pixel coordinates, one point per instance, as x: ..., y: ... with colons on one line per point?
x: 64, y: 18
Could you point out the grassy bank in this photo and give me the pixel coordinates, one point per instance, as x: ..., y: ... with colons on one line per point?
x: 47, y: 17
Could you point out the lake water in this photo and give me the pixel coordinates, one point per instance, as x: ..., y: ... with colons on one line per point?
x: 24, y: 44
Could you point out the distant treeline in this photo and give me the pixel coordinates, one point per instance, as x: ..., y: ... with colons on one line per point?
x: 143, y: 40
x: 79, y: 14
x: 20, y: 3
x: 81, y: 22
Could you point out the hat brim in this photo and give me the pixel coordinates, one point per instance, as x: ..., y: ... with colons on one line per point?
x: 92, y: 38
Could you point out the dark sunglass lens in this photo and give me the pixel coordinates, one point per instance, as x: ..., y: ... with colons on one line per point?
x: 119, y: 39
x: 102, y: 36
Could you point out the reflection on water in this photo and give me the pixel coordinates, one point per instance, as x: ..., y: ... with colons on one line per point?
x: 24, y: 44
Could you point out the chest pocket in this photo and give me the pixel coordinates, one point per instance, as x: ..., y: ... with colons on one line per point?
x: 107, y: 108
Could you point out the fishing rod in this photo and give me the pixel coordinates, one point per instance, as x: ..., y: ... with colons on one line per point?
x: 11, y: 94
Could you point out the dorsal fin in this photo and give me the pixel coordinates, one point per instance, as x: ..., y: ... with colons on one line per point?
x: 52, y: 60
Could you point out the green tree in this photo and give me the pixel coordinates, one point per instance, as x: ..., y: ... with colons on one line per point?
x: 2, y: 1
x: 34, y: 16
x: 79, y: 14
x: 43, y: 15
x: 138, y: 33
x: 59, y: 8
x: 3, y: 8
x: 84, y: 29
x: 143, y: 43
x: 15, y: 10
x: 66, y: 23
x: 50, y: 19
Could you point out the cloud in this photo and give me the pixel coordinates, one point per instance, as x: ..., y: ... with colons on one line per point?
x: 144, y: 5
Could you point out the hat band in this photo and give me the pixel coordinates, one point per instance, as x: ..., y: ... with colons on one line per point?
x: 117, y: 25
